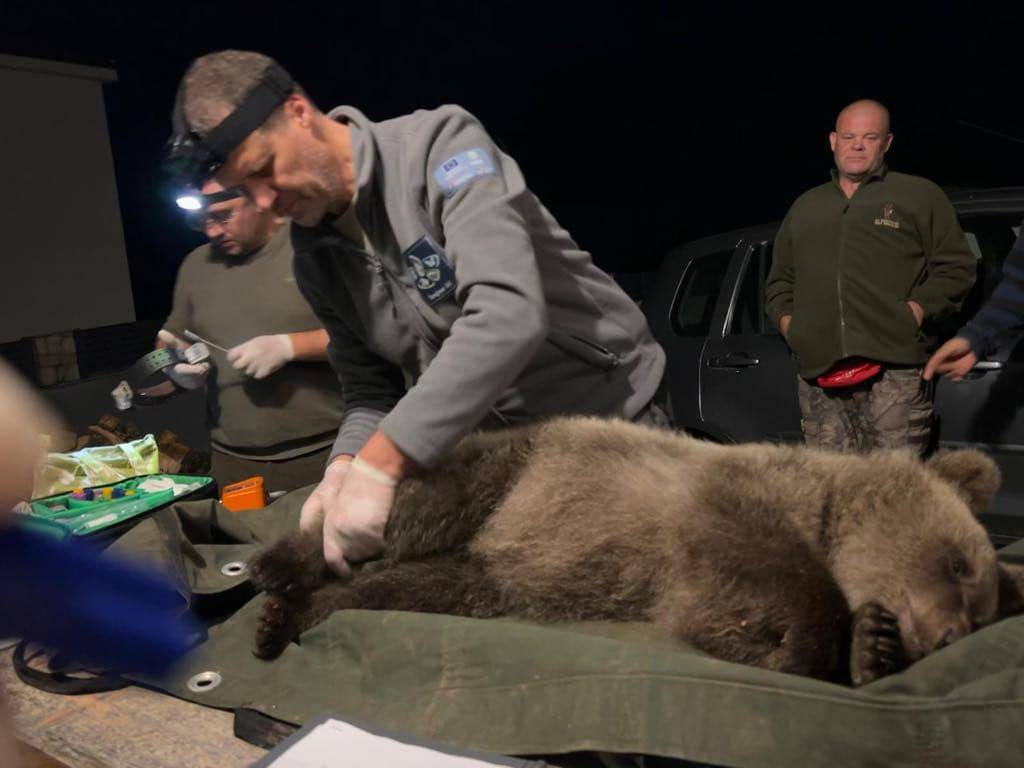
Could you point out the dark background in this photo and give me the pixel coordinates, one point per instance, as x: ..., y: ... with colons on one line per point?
x: 639, y: 124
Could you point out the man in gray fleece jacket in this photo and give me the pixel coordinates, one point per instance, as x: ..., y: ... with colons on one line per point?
x: 452, y: 297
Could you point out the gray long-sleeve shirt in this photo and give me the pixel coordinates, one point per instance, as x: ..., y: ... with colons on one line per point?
x: 471, y: 300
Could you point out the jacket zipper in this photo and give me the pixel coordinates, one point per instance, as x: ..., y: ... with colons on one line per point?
x: 425, y: 333
x: 839, y: 281
x: 393, y: 285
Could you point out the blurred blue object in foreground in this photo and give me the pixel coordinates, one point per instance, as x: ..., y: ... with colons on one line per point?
x: 64, y: 596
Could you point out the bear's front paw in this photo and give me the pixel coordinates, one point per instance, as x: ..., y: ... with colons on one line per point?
x: 276, y: 627
x: 292, y: 567
x: 876, y: 649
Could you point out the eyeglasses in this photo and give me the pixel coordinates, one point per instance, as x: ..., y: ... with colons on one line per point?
x: 202, y: 219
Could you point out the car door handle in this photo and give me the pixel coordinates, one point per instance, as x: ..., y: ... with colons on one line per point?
x: 732, y: 360
x: 981, y: 368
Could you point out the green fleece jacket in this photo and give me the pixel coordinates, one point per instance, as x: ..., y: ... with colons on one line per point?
x: 844, y: 268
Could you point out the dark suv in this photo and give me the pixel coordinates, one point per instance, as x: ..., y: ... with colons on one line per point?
x: 732, y: 378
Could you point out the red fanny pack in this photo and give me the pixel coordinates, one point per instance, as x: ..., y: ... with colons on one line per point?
x: 846, y: 373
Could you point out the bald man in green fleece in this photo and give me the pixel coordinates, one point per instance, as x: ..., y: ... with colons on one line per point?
x: 860, y: 264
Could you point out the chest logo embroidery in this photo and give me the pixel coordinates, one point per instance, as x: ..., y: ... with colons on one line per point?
x: 430, y: 271
x: 888, y: 218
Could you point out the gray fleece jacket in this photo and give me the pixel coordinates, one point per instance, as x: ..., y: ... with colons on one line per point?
x: 468, y: 302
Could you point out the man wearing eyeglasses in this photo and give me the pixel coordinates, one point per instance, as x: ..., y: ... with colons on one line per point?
x: 273, y: 401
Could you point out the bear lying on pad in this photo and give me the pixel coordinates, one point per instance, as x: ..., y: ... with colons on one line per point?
x: 839, y: 566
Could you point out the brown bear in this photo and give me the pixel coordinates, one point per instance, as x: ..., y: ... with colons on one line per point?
x: 839, y: 566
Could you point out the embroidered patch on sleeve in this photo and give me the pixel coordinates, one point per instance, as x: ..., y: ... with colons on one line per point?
x: 457, y: 171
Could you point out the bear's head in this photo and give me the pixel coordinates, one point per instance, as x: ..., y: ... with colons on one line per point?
x: 908, y: 539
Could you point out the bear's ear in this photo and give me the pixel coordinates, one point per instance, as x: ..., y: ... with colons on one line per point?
x: 974, y: 475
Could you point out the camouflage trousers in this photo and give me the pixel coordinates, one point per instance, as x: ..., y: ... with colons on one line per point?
x: 893, y: 410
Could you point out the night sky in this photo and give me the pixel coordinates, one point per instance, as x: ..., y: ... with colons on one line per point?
x: 639, y: 124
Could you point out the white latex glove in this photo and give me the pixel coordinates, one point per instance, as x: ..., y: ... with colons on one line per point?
x: 311, y: 517
x: 185, y: 375
x: 261, y: 356
x: 356, y: 516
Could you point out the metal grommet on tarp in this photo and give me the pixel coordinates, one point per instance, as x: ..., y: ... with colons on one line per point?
x: 204, y: 681
x: 234, y: 568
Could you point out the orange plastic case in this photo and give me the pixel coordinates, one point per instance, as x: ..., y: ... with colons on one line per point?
x: 245, y: 494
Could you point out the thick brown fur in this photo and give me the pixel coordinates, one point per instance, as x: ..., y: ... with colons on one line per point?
x: 838, y: 566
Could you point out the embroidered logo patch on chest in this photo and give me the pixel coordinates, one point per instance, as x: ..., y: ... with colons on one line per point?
x: 429, y: 269
x: 888, y: 218
x: 456, y: 172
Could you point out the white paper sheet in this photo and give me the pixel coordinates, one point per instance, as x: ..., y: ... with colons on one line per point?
x: 335, y: 743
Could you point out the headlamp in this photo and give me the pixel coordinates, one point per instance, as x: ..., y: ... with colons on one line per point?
x: 193, y: 201
x: 191, y: 159
x: 190, y: 202
x: 195, y: 205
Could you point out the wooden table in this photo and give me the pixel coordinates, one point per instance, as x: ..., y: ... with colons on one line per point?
x: 129, y: 728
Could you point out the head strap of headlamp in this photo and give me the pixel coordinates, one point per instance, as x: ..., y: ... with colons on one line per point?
x: 202, y: 155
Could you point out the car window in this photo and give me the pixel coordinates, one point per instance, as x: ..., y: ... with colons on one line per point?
x: 748, y: 317
x: 698, y: 290
x: 991, y: 236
